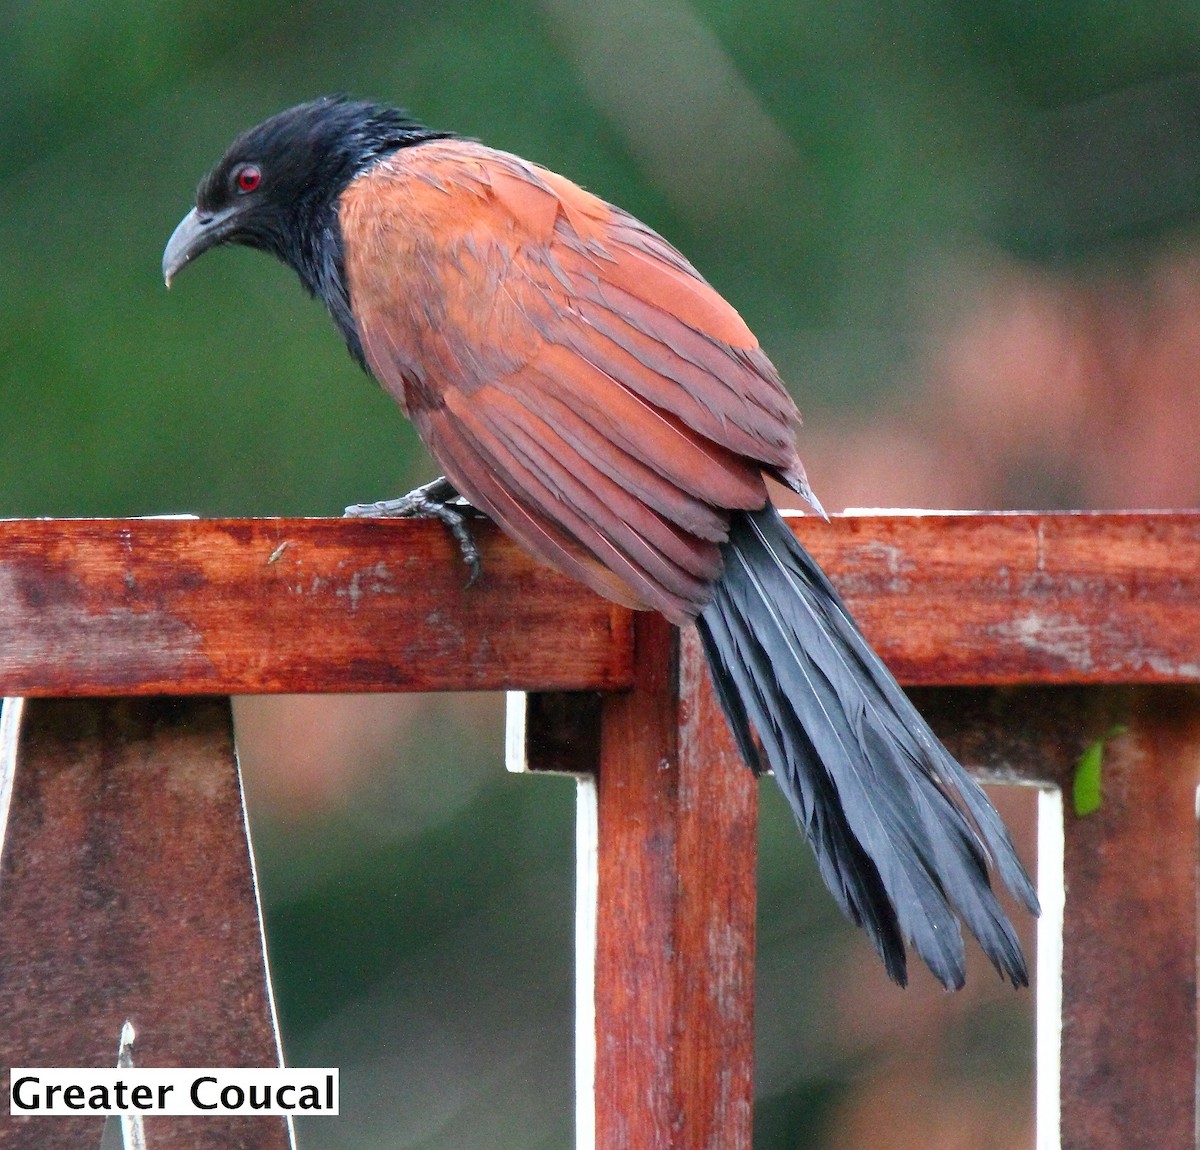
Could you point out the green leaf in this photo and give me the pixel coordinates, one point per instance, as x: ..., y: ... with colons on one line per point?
x: 1086, y: 793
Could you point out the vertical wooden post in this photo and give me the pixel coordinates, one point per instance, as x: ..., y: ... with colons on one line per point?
x: 1129, y: 938
x: 1128, y: 1062
x: 127, y: 892
x: 677, y: 849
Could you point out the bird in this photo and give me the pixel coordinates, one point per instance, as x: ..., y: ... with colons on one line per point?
x: 580, y: 383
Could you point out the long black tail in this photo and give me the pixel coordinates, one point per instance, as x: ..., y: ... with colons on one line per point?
x: 902, y: 834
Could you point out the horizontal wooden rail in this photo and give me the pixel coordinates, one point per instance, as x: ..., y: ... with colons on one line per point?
x: 257, y: 606
x: 1007, y: 598
x: 156, y: 606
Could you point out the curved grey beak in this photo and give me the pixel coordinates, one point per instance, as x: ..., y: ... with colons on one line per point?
x: 197, y: 232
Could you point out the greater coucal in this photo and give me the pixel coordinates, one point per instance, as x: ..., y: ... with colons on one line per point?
x: 581, y: 383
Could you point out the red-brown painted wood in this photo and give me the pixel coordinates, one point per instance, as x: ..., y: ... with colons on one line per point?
x: 126, y: 892
x: 675, y: 937
x: 102, y: 607
x: 962, y: 600
x: 1129, y: 1037
x: 1129, y: 939
x: 95, y: 607
x: 153, y: 606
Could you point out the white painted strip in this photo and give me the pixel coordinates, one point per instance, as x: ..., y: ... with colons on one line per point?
x: 514, y: 732
x: 262, y: 937
x: 587, y: 902
x: 1052, y: 894
x: 10, y: 730
x: 133, y: 1131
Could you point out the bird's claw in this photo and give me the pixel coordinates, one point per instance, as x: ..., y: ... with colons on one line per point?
x: 457, y: 524
x: 432, y: 500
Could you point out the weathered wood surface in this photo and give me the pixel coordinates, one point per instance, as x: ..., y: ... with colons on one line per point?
x: 126, y: 892
x: 949, y: 600
x: 1129, y: 980
x: 93, y: 607
x: 125, y: 607
x: 1129, y: 1022
x: 965, y: 600
x: 678, y: 845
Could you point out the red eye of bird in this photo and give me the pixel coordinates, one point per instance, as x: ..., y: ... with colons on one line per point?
x: 248, y: 178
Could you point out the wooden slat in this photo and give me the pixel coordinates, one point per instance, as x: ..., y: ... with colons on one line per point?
x: 251, y: 606
x: 101, y: 607
x: 677, y: 848
x: 127, y: 892
x: 961, y: 600
x: 1129, y: 1024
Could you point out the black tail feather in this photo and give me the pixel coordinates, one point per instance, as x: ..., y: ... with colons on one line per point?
x: 883, y: 803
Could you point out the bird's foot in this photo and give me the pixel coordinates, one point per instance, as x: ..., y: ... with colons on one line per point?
x: 415, y: 503
x: 431, y: 500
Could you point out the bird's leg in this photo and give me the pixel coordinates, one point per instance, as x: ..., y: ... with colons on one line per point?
x: 432, y: 500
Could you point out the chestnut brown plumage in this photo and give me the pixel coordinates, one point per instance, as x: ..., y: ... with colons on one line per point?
x: 580, y: 383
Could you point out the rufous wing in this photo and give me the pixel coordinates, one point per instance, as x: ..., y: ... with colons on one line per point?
x: 570, y: 371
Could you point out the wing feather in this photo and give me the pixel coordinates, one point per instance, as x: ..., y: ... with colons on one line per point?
x: 638, y: 476
x: 683, y: 564
x: 576, y: 378
x: 706, y: 470
x: 523, y: 491
x: 491, y: 493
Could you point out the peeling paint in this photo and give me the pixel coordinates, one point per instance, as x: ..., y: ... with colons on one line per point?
x: 1057, y: 635
x: 881, y: 566
x: 375, y: 580
x: 1170, y: 670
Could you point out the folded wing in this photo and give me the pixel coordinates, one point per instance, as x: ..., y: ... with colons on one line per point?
x: 575, y: 377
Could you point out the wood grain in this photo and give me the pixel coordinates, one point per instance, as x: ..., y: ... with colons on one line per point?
x: 990, y: 599
x: 1107, y: 602
x: 96, y: 607
x: 127, y: 892
x: 1129, y: 1034
x: 103, y: 607
x: 674, y: 987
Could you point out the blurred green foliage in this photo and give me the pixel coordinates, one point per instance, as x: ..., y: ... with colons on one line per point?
x: 887, y: 132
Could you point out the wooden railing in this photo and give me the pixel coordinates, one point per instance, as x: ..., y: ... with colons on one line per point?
x: 126, y: 884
